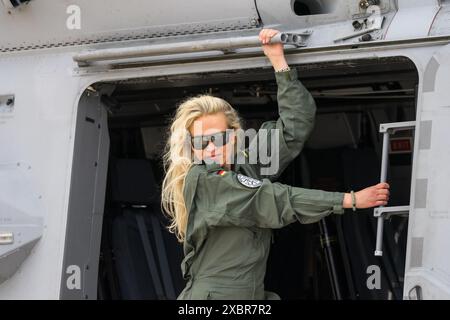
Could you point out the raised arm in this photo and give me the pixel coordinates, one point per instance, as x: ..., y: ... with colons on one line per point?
x: 296, y: 109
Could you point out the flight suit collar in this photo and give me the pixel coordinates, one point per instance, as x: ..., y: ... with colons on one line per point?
x: 237, y: 166
x: 213, y: 167
x: 216, y: 167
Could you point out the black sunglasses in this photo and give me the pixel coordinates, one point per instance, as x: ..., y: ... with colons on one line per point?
x: 218, y: 139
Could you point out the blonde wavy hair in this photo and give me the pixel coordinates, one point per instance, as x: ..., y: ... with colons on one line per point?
x: 178, y: 157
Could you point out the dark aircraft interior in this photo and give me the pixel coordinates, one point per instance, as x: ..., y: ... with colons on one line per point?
x: 329, y: 260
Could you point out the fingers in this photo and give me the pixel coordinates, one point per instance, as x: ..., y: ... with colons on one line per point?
x: 266, y: 34
x: 383, y: 185
x: 382, y: 194
x: 383, y: 191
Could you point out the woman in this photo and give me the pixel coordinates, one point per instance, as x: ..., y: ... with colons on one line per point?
x: 223, y: 210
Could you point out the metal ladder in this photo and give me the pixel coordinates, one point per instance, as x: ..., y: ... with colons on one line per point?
x: 382, y: 213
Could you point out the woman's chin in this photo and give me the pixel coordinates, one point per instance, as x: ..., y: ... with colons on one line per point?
x: 215, y: 159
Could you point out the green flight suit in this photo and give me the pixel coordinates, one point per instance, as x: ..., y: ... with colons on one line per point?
x: 232, y: 213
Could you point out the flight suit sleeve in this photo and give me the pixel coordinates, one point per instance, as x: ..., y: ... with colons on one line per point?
x: 235, y: 200
x: 297, y: 111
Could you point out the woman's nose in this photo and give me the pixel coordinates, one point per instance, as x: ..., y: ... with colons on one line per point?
x: 210, y: 147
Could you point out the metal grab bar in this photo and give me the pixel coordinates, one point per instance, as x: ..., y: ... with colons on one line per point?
x: 226, y: 44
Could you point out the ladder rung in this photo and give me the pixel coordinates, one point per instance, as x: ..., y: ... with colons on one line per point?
x: 378, y: 212
x: 397, y: 126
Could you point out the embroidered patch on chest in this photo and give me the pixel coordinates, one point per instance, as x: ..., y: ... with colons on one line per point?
x: 249, y: 182
x: 221, y: 172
